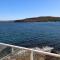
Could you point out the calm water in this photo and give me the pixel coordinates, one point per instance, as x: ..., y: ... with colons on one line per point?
x: 36, y: 34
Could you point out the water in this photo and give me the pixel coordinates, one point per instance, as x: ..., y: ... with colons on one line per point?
x: 34, y: 34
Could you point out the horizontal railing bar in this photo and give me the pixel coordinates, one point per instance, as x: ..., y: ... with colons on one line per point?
x: 38, y: 51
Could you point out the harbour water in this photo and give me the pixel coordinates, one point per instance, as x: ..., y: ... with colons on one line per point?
x: 31, y: 34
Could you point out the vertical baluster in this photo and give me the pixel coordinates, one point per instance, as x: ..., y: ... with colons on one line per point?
x: 31, y: 56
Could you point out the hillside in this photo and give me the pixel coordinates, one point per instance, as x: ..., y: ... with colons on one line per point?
x: 39, y: 19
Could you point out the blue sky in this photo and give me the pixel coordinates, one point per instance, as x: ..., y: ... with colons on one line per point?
x: 19, y: 9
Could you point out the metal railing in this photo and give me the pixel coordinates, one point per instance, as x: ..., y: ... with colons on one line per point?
x: 22, y: 53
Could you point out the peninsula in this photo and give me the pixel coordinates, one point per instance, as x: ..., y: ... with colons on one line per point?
x: 39, y: 19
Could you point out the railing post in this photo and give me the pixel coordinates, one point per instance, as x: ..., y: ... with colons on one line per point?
x: 12, y: 50
x: 31, y: 56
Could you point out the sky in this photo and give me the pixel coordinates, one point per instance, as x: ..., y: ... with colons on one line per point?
x: 20, y: 9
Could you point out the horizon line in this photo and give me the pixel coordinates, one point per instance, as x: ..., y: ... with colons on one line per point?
x: 25, y: 18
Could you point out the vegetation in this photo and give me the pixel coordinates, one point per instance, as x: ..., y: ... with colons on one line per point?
x: 40, y: 19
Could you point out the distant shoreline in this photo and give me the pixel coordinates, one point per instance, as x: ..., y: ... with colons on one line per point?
x: 40, y: 19
x: 36, y: 19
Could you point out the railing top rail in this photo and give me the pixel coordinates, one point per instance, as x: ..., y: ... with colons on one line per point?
x: 38, y: 51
